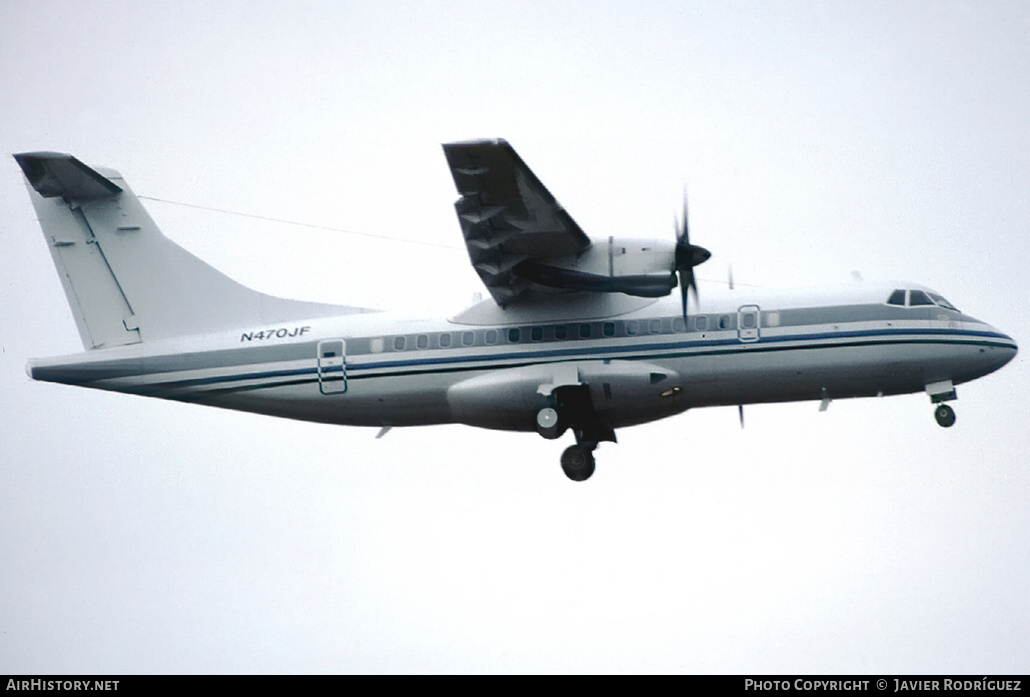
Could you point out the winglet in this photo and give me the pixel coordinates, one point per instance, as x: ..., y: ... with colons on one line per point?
x: 54, y: 174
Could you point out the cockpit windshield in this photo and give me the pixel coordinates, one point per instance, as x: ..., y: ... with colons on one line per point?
x: 916, y: 298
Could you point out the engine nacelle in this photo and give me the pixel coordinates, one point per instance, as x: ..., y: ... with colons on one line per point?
x: 621, y: 393
x: 643, y: 268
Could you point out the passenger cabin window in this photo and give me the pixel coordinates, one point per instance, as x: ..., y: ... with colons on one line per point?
x: 398, y: 343
x: 608, y: 328
x: 632, y: 328
x: 491, y: 336
x: 422, y: 341
x: 536, y: 333
x: 560, y: 332
x: 584, y: 331
x: 376, y: 345
x: 678, y: 325
x: 468, y: 338
x: 724, y: 322
x: 701, y: 323
x: 513, y: 335
x: 445, y: 340
x: 655, y: 327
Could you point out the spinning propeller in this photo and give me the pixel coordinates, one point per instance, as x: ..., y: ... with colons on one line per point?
x: 687, y: 257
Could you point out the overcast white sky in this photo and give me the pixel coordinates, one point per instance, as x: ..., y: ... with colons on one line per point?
x: 816, y: 138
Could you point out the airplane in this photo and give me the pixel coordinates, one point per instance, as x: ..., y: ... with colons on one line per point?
x: 578, y: 334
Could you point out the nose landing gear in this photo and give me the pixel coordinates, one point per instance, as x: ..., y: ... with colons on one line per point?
x: 945, y: 415
x: 941, y: 392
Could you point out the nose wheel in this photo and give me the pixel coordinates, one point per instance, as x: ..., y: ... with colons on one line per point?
x: 945, y: 415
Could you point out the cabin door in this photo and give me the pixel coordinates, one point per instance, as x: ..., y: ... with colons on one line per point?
x: 332, y: 366
x: 747, y: 323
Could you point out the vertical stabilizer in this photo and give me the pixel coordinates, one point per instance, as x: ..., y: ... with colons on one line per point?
x: 125, y: 281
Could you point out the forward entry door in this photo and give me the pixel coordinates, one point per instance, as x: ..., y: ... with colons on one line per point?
x: 332, y: 366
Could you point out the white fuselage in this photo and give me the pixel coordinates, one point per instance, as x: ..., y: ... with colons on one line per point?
x: 492, y: 368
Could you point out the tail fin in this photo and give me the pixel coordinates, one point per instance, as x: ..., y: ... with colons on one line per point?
x: 125, y: 281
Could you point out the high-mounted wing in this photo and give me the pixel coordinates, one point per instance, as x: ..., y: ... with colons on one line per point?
x: 507, y: 216
x: 521, y: 241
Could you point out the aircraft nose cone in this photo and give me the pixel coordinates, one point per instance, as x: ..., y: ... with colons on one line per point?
x: 1013, y: 351
x: 1004, y: 354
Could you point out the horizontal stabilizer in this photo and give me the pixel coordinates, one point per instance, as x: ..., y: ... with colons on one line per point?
x: 54, y: 174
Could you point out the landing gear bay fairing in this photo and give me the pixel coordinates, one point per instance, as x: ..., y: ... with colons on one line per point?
x: 579, y: 334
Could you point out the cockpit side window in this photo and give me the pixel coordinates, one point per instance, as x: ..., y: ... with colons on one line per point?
x: 918, y: 297
x: 897, y: 298
x: 942, y: 302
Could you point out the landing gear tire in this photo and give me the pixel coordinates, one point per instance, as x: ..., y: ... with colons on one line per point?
x: 945, y: 415
x: 577, y: 462
x: 547, y: 423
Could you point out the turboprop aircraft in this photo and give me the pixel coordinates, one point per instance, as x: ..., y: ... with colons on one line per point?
x: 579, y: 334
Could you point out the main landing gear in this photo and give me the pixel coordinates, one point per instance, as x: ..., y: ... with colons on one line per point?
x: 578, y: 461
x: 571, y: 408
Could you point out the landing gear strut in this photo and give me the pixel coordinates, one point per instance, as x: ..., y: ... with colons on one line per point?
x: 945, y: 415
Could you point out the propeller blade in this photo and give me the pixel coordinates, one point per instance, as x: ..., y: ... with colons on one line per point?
x: 687, y: 256
x: 685, y: 234
x: 740, y: 410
